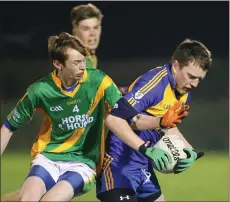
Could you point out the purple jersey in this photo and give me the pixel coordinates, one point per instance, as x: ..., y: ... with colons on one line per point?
x: 152, y: 93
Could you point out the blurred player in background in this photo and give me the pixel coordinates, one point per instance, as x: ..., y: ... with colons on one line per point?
x: 86, y: 22
x: 127, y: 175
x: 86, y: 25
x: 70, y: 144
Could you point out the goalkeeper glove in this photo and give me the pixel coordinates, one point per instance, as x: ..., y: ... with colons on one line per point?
x: 174, y: 115
x: 161, y: 159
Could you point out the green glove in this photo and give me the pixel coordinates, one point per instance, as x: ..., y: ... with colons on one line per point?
x: 161, y: 159
x: 183, y: 164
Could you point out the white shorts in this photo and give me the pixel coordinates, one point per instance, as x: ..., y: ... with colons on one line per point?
x: 58, y: 168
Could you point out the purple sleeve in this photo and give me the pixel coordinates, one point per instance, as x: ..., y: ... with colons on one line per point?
x: 148, y: 90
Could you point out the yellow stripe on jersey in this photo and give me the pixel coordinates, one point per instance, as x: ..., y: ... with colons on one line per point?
x: 10, y: 115
x: 150, y: 85
x: 102, y: 151
x: 132, y: 101
x: 155, y: 82
x: 132, y: 85
x: 43, y: 135
x: 156, y: 78
x: 169, y: 99
x: 79, y: 132
x: 58, y: 83
x: 23, y: 97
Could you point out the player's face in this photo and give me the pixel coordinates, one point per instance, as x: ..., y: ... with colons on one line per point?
x: 187, y: 77
x: 74, y: 66
x: 89, y: 31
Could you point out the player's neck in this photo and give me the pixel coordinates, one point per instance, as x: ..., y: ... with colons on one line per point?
x: 66, y: 82
x: 92, y: 52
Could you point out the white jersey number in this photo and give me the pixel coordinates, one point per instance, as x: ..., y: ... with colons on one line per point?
x: 76, y: 109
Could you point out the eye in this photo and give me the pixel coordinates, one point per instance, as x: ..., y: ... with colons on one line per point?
x: 192, y: 77
x: 85, y: 28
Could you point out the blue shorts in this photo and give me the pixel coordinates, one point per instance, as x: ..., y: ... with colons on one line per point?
x: 142, y: 181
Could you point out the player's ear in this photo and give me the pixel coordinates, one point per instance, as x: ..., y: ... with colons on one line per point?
x: 57, y: 64
x: 175, y: 66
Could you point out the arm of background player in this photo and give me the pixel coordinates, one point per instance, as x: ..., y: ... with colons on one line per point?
x: 21, y: 113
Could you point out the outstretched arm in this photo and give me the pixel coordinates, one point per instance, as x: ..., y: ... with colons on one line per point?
x: 20, y: 114
x: 6, y: 134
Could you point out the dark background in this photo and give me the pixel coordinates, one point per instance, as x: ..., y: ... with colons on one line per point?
x: 136, y: 37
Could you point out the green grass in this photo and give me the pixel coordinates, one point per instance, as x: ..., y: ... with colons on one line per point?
x: 207, y: 180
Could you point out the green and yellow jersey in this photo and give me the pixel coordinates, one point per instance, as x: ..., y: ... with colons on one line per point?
x: 91, y: 61
x: 73, y: 125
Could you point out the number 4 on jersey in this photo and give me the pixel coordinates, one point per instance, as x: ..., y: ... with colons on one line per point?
x: 76, y: 109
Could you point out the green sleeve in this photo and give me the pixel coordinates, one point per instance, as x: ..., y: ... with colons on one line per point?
x: 24, y: 109
x: 112, y: 94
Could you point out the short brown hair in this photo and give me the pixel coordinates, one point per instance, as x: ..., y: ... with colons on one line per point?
x: 83, y: 12
x: 58, y: 45
x: 193, y: 51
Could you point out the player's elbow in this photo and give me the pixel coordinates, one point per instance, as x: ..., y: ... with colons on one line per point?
x: 109, y: 120
x: 112, y: 121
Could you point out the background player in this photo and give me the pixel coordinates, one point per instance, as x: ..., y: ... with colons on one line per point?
x: 127, y: 175
x: 86, y: 24
x: 72, y: 100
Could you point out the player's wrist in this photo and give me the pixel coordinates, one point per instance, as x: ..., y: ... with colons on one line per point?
x: 161, y: 124
x: 143, y: 148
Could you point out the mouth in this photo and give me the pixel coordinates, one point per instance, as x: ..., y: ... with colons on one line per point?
x: 92, y: 42
x: 80, y: 74
x: 187, y: 89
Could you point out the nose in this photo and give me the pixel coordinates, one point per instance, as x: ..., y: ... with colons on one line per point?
x: 83, y: 65
x: 92, y: 32
x: 195, y: 83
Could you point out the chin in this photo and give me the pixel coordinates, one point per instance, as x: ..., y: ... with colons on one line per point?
x: 78, y: 77
x: 180, y: 91
x: 93, y: 48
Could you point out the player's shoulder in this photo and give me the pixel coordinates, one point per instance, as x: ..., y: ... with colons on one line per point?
x: 40, y: 85
x: 97, y: 76
x: 158, y: 76
x: 159, y: 70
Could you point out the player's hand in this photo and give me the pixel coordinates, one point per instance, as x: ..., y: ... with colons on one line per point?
x: 174, y: 115
x: 161, y: 159
x: 184, y: 164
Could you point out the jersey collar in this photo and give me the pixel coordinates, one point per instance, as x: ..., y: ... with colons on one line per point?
x: 58, y: 83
